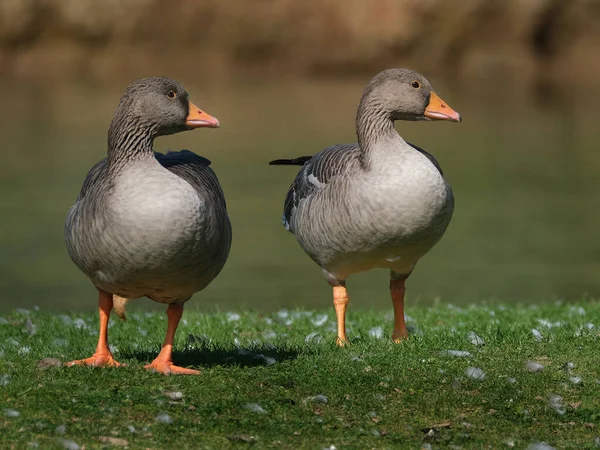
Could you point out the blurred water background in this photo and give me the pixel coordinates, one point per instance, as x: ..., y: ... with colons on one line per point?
x: 284, y: 78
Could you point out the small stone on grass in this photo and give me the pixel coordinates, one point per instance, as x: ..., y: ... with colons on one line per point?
x: 163, y: 418
x: 69, y: 444
x: 48, y: 363
x: 540, y: 446
x: 317, y: 399
x: 475, y: 339
x: 457, y: 353
x: 255, y: 408
x: 11, y: 413
x: 376, y: 332
x: 475, y: 373
x: 532, y: 366
x: 176, y: 395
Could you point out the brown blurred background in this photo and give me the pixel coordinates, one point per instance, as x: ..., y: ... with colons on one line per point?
x: 521, y: 41
x: 285, y: 77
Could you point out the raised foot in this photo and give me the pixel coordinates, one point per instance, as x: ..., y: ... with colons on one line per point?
x: 97, y: 360
x: 399, y: 336
x: 168, y: 368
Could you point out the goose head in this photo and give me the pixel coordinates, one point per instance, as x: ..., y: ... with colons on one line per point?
x: 159, y: 106
x: 403, y: 94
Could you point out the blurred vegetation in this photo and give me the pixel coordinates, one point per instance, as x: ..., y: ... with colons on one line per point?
x: 508, y: 41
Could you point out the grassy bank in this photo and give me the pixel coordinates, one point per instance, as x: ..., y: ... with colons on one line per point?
x: 468, y: 377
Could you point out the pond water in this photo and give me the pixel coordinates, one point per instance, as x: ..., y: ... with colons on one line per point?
x: 525, y: 174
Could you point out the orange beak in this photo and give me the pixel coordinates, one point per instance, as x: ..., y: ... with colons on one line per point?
x: 198, y: 118
x: 437, y: 109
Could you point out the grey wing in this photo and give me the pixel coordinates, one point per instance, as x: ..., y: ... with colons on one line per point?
x: 94, y: 177
x: 195, y: 170
x: 316, y: 173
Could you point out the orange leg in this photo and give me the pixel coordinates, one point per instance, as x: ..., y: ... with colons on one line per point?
x: 103, y: 356
x: 397, y: 290
x: 340, y: 301
x: 164, y: 362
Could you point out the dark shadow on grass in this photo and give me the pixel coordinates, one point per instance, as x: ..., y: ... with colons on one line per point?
x: 205, y: 354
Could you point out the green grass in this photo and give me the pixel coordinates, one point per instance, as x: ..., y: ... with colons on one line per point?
x: 379, y: 395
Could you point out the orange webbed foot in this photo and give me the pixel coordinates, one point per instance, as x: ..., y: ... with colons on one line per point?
x: 168, y: 368
x: 399, y: 336
x: 97, y: 360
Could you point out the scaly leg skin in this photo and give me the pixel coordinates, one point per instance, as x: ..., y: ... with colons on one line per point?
x: 164, y: 362
x: 103, y: 355
x: 397, y: 290
x: 340, y: 301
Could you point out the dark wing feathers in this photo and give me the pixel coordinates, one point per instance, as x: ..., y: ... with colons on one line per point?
x: 317, y: 172
x: 195, y: 170
x: 429, y: 156
x: 300, y: 161
x: 95, y: 176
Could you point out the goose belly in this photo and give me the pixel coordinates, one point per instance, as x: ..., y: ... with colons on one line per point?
x: 387, y: 221
x: 162, y: 243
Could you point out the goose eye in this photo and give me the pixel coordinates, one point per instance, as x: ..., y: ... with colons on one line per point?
x: 171, y: 95
x: 416, y: 84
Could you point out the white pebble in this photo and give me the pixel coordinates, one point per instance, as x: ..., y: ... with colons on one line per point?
x: 317, y: 399
x: 376, y: 332
x: 65, y: 319
x: 233, y: 317
x: 475, y: 372
x: 536, y: 335
x: 69, y: 444
x: 255, y: 407
x: 575, y: 380
x: 540, y: 446
x: 80, y: 323
x: 269, y: 334
x: 268, y: 321
x: 4, y: 379
x: 569, y: 365
x: 532, y: 366
x: 11, y: 413
x: 266, y: 360
x: 131, y: 428
x: 556, y: 402
x: 313, y: 337
x: 458, y: 353
x: 61, y: 429
x: 30, y: 328
x: 320, y: 320
x: 176, y: 395
x: 475, y: 339
x: 511, y: 380
x: 163, y: 418
x: 59, y: 342
x: 282, y: 314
